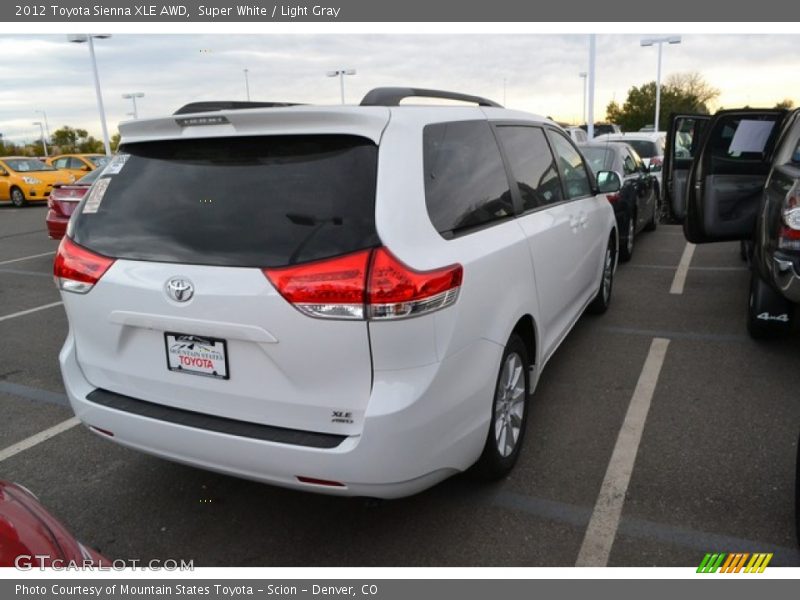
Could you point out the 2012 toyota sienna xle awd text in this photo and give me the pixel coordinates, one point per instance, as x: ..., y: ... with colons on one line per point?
x: 351, y: 300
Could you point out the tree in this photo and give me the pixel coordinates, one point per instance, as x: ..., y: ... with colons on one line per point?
x: 786, y: 103
x: 115, y: 141
x: 684, y: 93
x: 68, y: 139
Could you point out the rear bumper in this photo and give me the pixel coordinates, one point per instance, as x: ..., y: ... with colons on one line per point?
x: 56, y: 225
x: 786, y: 275
x: 423, y: 425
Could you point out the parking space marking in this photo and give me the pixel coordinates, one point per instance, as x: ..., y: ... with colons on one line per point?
x: 22, y: 313
x: 641, y: 529
x: 683, y: 269
x: 670, y: 268
x: 677, y: 335
x: 38, y: 438
x: 20, y: 259
x: 603, y: 525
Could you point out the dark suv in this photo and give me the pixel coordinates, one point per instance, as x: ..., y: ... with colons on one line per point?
x: 734, y: 176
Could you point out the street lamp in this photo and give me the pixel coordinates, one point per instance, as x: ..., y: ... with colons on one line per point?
x: 132, y: 97
x: 659, y: 41
x: 46, y: 124
x: 583, y: 75
x: 41, y: 130
x: 80, y: 39
x: 340, y: 73
x: 247, y: 84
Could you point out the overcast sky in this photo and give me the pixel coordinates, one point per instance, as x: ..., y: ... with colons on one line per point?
x: 45, y: 72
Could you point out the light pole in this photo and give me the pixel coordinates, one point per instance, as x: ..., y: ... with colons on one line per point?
x: 80, y: 39
x: 247, y: 84
x: 46, y: 124
x: 659, y: 41
x: 590, y: 100
x: 340, y: 73
x: 41, y: 129
x: 583, y: 75
x: 132, y: 97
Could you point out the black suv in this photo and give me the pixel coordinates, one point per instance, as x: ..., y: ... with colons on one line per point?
x: 735, y: 176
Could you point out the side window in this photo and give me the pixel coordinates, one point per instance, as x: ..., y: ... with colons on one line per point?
x: 61, y: 163
x: 742, y: 137
x: 570, y: 163
x: 532, y: 165
x: 628, y: 164
x: 466, y: 185
x: 76, y: 163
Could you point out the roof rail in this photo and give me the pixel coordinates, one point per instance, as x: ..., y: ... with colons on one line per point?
x: 391, y: 96
x: 214, y: 105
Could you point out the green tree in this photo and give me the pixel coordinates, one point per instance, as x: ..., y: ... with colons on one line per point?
x: 786, y: 103
x: 115, y: 141
x: 68, y: 139
x: 681, y: 93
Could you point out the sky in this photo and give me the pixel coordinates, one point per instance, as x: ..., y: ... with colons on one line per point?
x: 541, y: 72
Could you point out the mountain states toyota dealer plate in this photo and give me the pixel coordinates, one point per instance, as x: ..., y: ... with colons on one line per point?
x: 197, y: 355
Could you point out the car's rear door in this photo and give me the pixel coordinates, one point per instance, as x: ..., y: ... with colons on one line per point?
x: 726, y: 179
x: 683, y: 139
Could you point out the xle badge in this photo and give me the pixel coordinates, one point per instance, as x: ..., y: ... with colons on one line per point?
x: 340, y: 416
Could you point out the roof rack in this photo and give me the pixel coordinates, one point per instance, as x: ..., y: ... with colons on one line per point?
x: 392, y: 96
x: 214, y: 105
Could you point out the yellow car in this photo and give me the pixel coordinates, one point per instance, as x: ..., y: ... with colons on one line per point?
x: 78, y: 164
x: 24, y: 180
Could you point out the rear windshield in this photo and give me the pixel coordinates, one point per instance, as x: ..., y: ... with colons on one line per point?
x: 599, y: 158
x: 246, y: 201
x: 644, y: 148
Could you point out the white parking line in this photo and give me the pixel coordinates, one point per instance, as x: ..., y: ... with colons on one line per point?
x: 38, y: 438
x: 602, y: 528
x: 13, y: 260
x: 683, y: 269
x: 22, y: 313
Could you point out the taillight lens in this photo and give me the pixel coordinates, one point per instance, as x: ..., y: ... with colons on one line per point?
x: 613, y: 198
x: 791, y: 208
x: 370, y: 284
x: 332, y: 288
x: 395, y: 290
x: 77, y: 269
x: 656, y: 161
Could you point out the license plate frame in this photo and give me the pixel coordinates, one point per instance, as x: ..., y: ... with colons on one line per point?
x: 204, y: 356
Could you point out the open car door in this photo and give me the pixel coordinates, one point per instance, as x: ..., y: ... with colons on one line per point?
x: 726, y: 178
x: 683, y: 139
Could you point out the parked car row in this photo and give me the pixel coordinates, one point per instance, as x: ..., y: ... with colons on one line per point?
x: 26, y: 180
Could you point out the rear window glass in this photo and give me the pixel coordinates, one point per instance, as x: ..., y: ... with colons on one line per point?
x: 261, y: 201
x: 466, y: 185
x: 599, y: 158
x: 644, y: 148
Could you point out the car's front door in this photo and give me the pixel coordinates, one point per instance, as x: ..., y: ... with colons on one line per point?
x: 683, y: 139
x: 727, y: 176
x: 5, y: 178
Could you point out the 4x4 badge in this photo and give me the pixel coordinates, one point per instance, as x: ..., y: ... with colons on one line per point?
x: 179, y: 289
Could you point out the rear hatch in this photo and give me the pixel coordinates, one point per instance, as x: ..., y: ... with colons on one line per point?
x: 192, y: 224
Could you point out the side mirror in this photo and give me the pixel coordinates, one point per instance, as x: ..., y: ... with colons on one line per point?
x: 608, y: 182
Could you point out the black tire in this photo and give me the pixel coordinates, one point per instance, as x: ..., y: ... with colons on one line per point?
x: 17, y: 197
x: 769, y: 315
x: 626, y: 243
x: 797, y: 492
x: 506, y: 407
x: 603, y: 298
x: 652, y: 224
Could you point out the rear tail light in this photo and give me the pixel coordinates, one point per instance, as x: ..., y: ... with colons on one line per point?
x: 613, y: 198
x: 789, y: 235
x: 77, y: 269
x: 656, y: 161
x: 370, y: 284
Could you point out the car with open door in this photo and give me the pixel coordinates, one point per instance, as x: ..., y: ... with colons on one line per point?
x: 742, y: 182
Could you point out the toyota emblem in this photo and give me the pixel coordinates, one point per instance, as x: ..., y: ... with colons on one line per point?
x: 180, y: 290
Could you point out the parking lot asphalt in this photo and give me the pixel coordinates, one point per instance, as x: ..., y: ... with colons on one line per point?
x: 713, y: 470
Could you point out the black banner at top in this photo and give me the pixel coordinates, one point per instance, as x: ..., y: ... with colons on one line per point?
x: 464, y: 11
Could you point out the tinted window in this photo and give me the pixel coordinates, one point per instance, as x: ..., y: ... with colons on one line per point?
x: 532, y: 165
x: 600, y: 158
x: 246, y: 201
x: 741, y: 138
x: 570, y: 163
x: 644, y: 148
x: 465, y: 183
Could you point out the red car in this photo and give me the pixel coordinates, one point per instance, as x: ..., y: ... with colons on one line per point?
x: 63, y: 200
x: 30, y: 537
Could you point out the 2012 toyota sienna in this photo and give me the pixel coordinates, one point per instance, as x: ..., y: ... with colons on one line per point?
x: 353, y: 300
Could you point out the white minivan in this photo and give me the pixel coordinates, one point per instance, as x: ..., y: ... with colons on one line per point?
x: 353, y: 300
